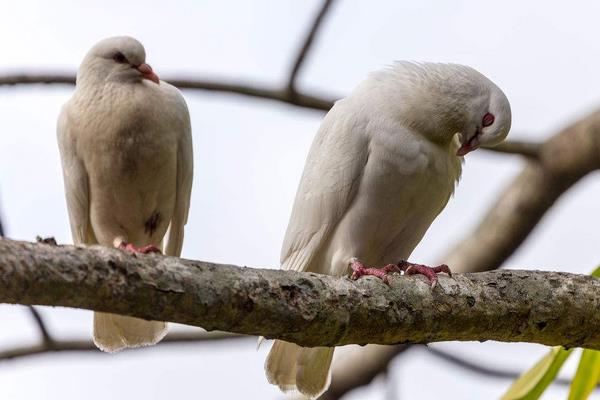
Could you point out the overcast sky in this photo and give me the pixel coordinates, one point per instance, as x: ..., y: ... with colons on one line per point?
x: 249, y: 156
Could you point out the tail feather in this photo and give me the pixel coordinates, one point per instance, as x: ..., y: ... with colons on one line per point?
x: 280, y: 365
x: 313, y: 374
x: 292, y: 367
x: 115, y: 332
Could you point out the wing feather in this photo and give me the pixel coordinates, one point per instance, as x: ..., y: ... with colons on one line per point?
x: 75, y: 180
x: 185, y: 168
x: 329, y: 183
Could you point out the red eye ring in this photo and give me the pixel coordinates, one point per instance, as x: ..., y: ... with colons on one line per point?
x: 488, y: 119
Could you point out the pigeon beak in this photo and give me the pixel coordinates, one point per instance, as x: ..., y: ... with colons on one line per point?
x: 468, y: 146
x: 147, y: 72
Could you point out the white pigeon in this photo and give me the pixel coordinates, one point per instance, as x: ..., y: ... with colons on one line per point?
x: 382, y: 166
x: 126, y: 148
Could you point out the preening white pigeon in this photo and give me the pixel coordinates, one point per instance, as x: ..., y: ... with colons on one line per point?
x: 383, y: 165
x: 126, y: 148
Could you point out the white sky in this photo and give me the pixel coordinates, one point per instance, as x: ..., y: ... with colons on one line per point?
x: 250, y: 153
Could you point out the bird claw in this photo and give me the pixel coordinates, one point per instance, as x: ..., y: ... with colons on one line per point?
x: 130, y: 248
x: 408, y: 268
x: 359, y: 269
x: 429, y: 272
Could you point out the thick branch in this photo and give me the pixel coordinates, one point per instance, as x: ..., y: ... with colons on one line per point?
x: 305, y: 308
x: 527, y: 149
x: 360, y: 368
x: 563, y: 160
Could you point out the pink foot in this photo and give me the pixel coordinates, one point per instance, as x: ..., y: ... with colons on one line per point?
x: 430, y: 272
x: 144, y: 250
x: 359, y: 269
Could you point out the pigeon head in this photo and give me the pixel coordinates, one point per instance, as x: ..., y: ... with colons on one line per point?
x: 441, y: 101
x: 116, y: 59
x: 488, y: 117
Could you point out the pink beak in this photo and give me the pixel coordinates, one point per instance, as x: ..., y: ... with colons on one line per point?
x: 468, y: 146
x: 147, y: 72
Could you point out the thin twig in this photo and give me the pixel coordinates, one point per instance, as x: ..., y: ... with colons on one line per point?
x: 39, y: 321
x: 216, y: 336
x: 306, y: 45
x: 87, y: 345
x: 295, y: 98
x: 282, y: 95
x: 481, y: 369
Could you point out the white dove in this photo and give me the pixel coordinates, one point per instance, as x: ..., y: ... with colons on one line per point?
x: 383, y: 165
x: 126, y: 148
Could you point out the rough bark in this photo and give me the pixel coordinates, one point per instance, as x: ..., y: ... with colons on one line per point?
x: 309, y: 309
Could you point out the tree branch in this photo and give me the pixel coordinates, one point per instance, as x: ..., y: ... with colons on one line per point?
x: 283, y: 95
x: 483, y: 370
x: 64, y: 346
x: 41, y: 325
x: 563, y: 160
x: 305, y: 308
x: 86, y: 345
x: 306, y: 45
x: 360, y: 368
x: 526, y: 149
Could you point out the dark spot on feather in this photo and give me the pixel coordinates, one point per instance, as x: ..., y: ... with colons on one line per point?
x: 152, y: 223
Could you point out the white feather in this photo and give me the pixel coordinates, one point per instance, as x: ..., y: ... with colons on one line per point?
x: 382, y: 166
x: 126, y: 150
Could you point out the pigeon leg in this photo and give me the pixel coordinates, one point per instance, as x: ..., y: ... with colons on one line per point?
x: 430, y: 272
x: 359, y: 269
x: 144, y: 249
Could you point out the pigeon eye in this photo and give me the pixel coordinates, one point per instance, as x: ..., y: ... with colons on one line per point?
x: 119, y: 57
x: 488, y: 119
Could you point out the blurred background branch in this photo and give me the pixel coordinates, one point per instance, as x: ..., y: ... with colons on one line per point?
x: 284, y: 95
x: 60, y: 345
x: 306, y: 46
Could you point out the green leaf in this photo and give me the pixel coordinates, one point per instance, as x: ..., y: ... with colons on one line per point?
x: 531, y: 384
x: 588, y: 372
x: 587, y: 376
